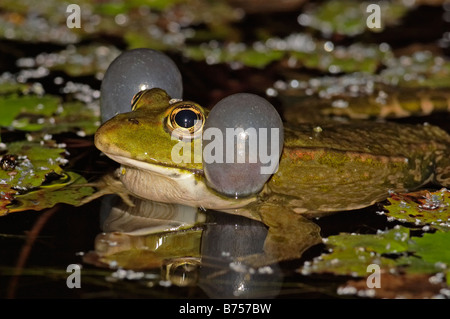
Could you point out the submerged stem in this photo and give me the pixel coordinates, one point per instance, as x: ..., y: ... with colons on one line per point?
x: 25, y: 252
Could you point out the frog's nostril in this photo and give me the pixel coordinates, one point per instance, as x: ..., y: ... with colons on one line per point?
x: 133, y: 120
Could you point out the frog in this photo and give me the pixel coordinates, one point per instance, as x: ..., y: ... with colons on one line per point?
x: 323, y: 169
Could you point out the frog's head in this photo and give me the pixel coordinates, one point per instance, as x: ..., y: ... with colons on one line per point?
x: 159, y: 144
x: 150, y: 132
x: 144, y: 140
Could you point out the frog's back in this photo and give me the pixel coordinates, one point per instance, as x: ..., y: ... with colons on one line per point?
x: 348, y: 166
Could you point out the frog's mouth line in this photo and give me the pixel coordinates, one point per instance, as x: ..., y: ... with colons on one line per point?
x: 166, y: 170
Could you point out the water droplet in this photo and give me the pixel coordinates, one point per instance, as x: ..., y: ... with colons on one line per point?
x: 328, y: 46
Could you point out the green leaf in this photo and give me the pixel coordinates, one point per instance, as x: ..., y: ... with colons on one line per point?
x: 354, y: 58
x: 393, y: 250
x: 26, y: 183
x: 33, y: 161
x: 8, y: 85
x: 422, y: 68
x: 71, y: 117
x: 68, y: 190
x: 6, y: 196
x: 433, y: 248
x: 76, y: 116
x: 416, y: 264
x: 35, y: 113
x: 389, y: 242
x: 81, y: 60
x: 235, y: 53
x: 258, y: 59
x: 352, y: 253
x: 12, y: 106
x: 349, y: 17
x: 421, y: 208
x: 347, y: 263
x: 447, y: 275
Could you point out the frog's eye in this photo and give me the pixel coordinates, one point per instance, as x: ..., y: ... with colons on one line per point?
x: 186, y: 120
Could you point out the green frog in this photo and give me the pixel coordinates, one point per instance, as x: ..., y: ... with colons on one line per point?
x: 322, y: 169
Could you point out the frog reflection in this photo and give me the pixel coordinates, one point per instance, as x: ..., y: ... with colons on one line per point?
x: 188, y: 246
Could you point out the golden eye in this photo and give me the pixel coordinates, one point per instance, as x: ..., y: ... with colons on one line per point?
x: 186, y: 120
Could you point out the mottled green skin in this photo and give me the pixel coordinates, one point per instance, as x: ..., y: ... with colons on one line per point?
x: 347, y: 166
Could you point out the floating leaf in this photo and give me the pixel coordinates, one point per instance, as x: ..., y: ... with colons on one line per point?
x: 48, y: 114
x: 300, y: 49
x: 6, y: 196
x: 433, y: 248
x: 31, y: 162
x: 325, y: 57
x: 422, y: 68
x: 32, y: 178
x: 71, y: 117
x: 81, y: 60
x: 13, y: 106
x: 29, y: 21
x: 399, y: 255
x: 356, y: 95
x: 8, y: 85
x: 67, y: 190
x: 352, y: 253
x: 412, y: 277
x: 349, y: 17
x: 389, y: 242
x: 235, y: 53
x: 421, y: 208
x: 114, y: 8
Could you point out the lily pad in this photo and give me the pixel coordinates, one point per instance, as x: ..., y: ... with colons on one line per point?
x: 300, y: 49
x: 421, y: 208
x: 349, y: 17
x: 411, y: 279
x: 159, y: 20
x: 68, y: 190
x: 6, y: 196
x: 395, y: 251
x: 8, y: 84
x: 31, y: 162
x: 354, y: 58
x: 234, y: 53
x: 433, y: 248
x: 71, y: 117
x: 32, y: 178
x: 48, y: 114
x: 12, y: 106
x: 420, y: 69
x: 351, y: 254
x: 75, y: 61
x: 357, y: 95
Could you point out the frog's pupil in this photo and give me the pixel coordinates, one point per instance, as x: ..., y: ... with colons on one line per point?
x: 185, y: 118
